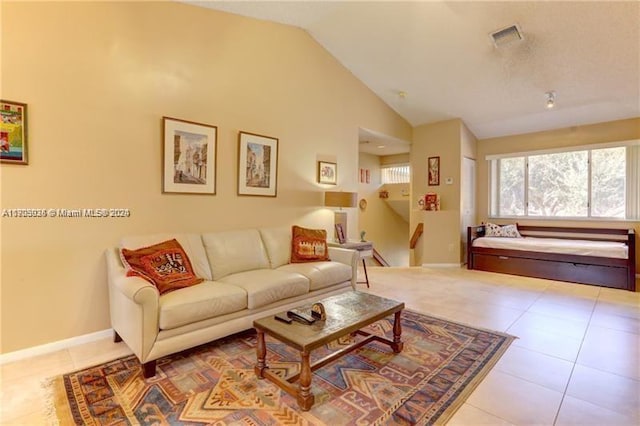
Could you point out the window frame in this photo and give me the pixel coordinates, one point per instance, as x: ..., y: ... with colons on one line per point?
x: 493, y: 174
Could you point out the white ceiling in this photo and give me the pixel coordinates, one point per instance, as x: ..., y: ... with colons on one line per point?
x: 441, y: 55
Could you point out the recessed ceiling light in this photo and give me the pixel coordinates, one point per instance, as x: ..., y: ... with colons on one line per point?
x: 380, y: 146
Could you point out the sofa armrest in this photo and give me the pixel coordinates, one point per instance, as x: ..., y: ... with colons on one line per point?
x: 134, y: 307
x: 348, y: 257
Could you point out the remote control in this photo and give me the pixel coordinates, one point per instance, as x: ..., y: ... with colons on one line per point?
x: 301, y: 316
x: 283, y: 318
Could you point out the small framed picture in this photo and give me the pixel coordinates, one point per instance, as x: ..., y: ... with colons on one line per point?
x: 189, y: 157
x: 340, y: 233
x: 433, y: 164
x: 327, y: 172
x: 257, y: 165
x: 13, y: 132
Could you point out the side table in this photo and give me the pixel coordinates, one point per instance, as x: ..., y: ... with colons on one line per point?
x: 364, y: 249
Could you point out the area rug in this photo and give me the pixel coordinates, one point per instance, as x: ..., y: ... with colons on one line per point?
x: 214, y: 384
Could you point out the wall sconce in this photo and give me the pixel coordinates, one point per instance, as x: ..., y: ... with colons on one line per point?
x: 340, y: 199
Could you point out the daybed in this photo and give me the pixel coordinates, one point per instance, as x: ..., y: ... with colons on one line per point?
x: 247, y: 275
x: 598, y: 256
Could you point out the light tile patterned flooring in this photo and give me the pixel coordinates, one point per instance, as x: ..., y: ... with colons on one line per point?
x: 576, y: 361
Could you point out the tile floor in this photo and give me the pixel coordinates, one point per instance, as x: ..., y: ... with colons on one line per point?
x: 576, y: 362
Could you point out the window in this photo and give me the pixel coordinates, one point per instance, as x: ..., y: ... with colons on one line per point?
x: 578, y: 183
x: 396, y: 174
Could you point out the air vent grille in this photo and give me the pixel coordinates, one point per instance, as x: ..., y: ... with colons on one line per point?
x: 506, y: 36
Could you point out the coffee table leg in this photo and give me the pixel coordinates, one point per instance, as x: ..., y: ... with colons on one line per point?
x: 261, y: 352
x: 305, y: 397
x: 397, y: 333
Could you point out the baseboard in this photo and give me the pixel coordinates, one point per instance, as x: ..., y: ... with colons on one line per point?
x: 441, y: 265
x: 54, y: 346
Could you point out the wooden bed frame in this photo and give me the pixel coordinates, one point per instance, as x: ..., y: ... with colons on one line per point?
x: 602, y: 271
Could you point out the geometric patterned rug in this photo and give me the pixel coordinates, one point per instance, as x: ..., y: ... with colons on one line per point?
x: 214, y: 384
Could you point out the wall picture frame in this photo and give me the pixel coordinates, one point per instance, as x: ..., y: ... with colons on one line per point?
x: 327, y: 173
x: 189, y: 157
x: 13, y: 132
x: 433, y: 171
x: 257, y: 165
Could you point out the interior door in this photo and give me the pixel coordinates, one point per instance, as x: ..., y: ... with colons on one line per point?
x: 468, y: 189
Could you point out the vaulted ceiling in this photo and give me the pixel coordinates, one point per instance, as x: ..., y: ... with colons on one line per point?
x: 434, y: 60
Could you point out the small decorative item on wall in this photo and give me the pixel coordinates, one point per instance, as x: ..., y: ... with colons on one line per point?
x: 433, y: 164
x: 13, y: 132
x: 383, y: 194
x: 362, y: 204
x: 189, y: 157
x: 368, y: 175
x: 431, y: 201
x: 342, y: 238
x: 362, y: 176
x: 257, y: 165
x: 327, y: 172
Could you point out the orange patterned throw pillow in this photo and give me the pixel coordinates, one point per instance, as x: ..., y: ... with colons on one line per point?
x: 164, y: 265
x: 308, y: 245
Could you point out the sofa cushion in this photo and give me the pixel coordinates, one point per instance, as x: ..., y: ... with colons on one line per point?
x: 308, y: 245
x: 165, y: 265
x: 191, y: 243
x: 265, y: 286
x: 277, y: 241
x: 320, y: 274
x: 199, y: 302
x: 230, y: 252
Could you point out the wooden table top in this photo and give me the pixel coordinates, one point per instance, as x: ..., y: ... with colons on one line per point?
x: 346, y: 313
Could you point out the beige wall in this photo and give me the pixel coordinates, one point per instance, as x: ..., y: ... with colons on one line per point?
x: 384, y: 227
x: 98, y: 77
x: 620, y: 130
x: 441, y: 238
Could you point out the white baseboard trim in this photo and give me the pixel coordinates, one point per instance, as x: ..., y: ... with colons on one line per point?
x: 54, y: 346
x: 441, y: 265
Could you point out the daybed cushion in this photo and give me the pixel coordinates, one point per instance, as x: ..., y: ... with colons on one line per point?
x: 277, y: 241
x: 611, y: 249
x: 230, y: 252
x: 320, y: 274
x: 199, y: 302
x: 264, y: 286
x: 191, y: 243
x: 509, y: 231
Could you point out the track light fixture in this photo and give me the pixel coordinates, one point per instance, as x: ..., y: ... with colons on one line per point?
x: 551, y: 99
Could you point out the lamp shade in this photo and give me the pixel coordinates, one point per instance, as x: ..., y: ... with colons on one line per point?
x: 340, y: 199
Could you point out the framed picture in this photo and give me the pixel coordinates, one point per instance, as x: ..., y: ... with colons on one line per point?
x: 13, y: 132
x: 340, y: 233
x: 189, y: 157
x: 433, y: 164
x: 327, y: 172
x: 257, y: 165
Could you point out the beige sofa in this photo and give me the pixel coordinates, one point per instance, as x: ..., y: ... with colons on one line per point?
x: 247, y: 275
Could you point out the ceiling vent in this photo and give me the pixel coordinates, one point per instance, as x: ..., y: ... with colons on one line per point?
x: 506, y: 36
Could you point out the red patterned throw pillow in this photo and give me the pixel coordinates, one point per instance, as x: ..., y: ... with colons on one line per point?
x: 164, y: 265
x: 308, y: 245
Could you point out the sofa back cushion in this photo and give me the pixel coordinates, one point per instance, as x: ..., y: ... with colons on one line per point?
x: 191, y: 243
x: 277, y: 241
x: 234, y: 251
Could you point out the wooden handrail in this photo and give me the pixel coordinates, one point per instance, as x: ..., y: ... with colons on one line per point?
x: 416, y: 235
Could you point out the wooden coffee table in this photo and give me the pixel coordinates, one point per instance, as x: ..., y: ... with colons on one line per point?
x: 347, y: 314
